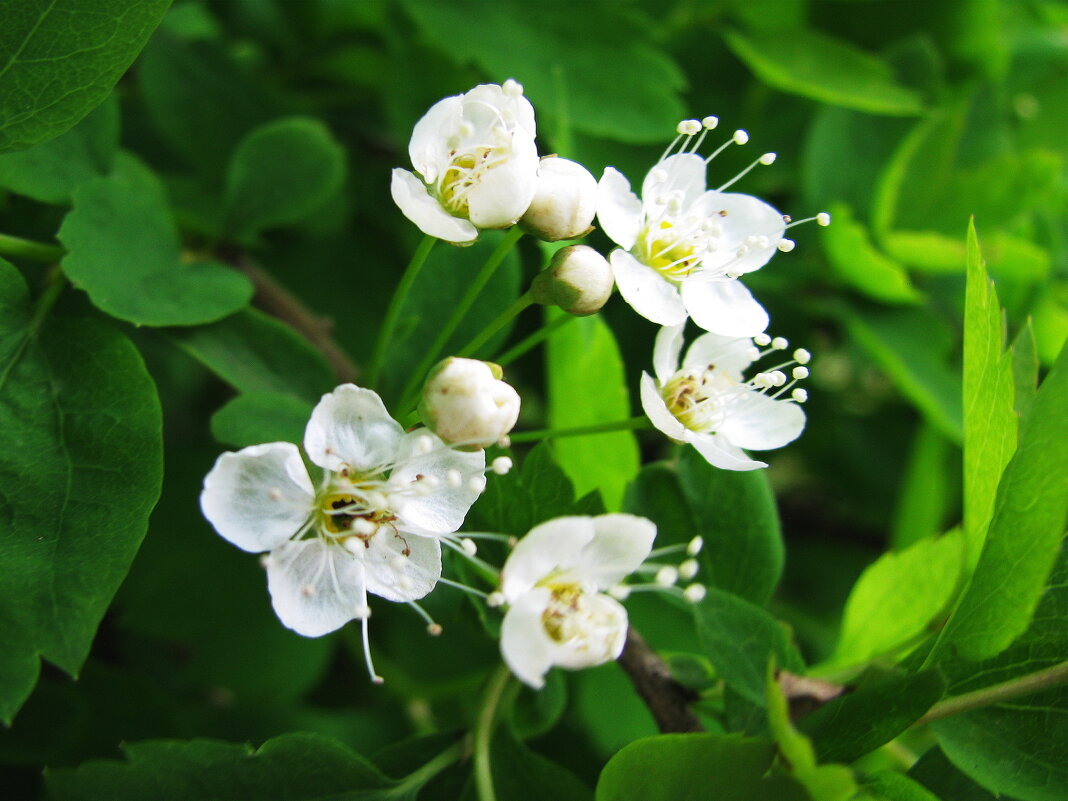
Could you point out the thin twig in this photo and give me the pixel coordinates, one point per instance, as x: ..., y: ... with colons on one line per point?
x: 668, y: 700
x: 1054, y: 676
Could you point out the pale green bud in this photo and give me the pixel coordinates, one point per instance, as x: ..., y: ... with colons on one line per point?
x: 578, y: 280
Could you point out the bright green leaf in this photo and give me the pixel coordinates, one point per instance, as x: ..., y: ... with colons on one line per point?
x: 80, y: 471
x: 257, y: 417
x: 926, y: 250
x: 1024, y: 368
x: 1051, y: 324
x: 123, y: 250
x: 861, y: 265
x: 927, y: 496
x: 61, y: 58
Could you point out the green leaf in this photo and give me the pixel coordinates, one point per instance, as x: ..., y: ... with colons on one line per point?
x: 255, y: 353
x: 825, y: 69
x: 695, y: 767
x: 1025, y: 532
x: 519, y: 772
x: 880, y: 708
x: 735, y: 513
x: 292, y: 767
x: 1051, y: 324
x: 1024, y: 368
x: 587, y: 386
x: 927, y: 496
x: 123, y: 249
x: 80, y: 471
x: 50, y: 171
x: 928, y: 251
x: 281, y: 173
x: 60, y: 60
x: 941, y: 777
x: 898, y: 597
x: 886, y: 785
x: 989, y: 418
x: 256, y: 417
x: 861, y: 265
x: 739, y: 640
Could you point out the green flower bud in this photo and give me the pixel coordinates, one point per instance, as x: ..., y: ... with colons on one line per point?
x: 578, y: 280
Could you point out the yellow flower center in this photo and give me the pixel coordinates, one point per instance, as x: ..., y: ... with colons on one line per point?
x: 666, y: 252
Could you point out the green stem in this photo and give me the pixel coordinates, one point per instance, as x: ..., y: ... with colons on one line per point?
x: 554, y: 433
x: 47, y: 299
x: 389, y: 324
x: 996, y: 693
x: 533, y: 339
x: 487, y: 718
x: 421, y: 775
x: 34, y: 251
x: 501, y: 320
x: 461, y: 309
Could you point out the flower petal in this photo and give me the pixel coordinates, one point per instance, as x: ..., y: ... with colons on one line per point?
x: 415, y: 202
x: 683, y: 172
x: 760, y: 423
x: 740, y: 217
x: 525, y: 645
x: 441, y: 510
x: 720, y: 453
x: 396, y: 575
x: 731, y: 355
x: 428, y: 148
x: 258, y: 497
x: 666, y: 351
x: 504, y: 192
x: 724, y: 307
x: 547, y: 548
x: 657, y: 411
x: 603, y: 625
x: 620, y: 544
x: 315, y: 587
x: 351, y: 428
x: 650, y: 294
x: 619, y: 211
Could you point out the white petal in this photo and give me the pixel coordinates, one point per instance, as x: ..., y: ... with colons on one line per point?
x: 604, y: 631
x: 315, y: 587
x: 683, y: 171
x: 657, y: 411
x: 350, y: 427
x: 504, y: 192
x: 760, y: 423
x: 488, y: 105
x: 396, y: 576
x: 650, y: 294
x: 666, y: 351
x: 718, y: 452
x: 258, y: 497
x: 620, y: 544
x: 525, y: 645
x: 428, y: 148
x: 547, y: 548
x: 729, y: 354
x: 442, y: 510
x: 724, y: 307
x: 619, y: 211
x: 415, y: 202
x: 746, y: 216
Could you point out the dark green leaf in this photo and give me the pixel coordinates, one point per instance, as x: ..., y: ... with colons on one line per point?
x: 655, y: 493
x: 537, y: 711
x: 861, y: 265
x: 887, y: 785
x: 124, y: 251
x: 80, y: 470
x: 941, y: 777
x: 927, y: 495
x: 257, y: 417
x: 519, y: 772
x: 61, y: 58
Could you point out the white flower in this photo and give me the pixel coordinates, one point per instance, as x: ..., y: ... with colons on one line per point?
x: 710, y: 405
x: 578, y: 280
x: 371, y: 526
x: 476, y: 161
x: 682, y: 247
x: 466, y: 404
x: 552, y: 582
x: 565, y: 201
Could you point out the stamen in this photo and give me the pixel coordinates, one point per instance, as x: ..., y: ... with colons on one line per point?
x: 695, y: 546
x: 432, y: 628
x: 800, y: 373
x: 688, y: 569
x: 667, y: 576
x: 802, y: 356
x: 762, y: 340
x: 767, y: 158
x: 620, y: 592
x: 453, y: 478
x: 688, y: 127
x: 469, y: 546
x: 495, y: 599
x: 786, y: 245
x: 799, y: 395
x: 780, y: 343
x: 375, y: 678
x: 740, y: 137
x: 501, y: 465
x: 695, y: 593
x: 823, y: 219
x: 464, y: 587
x: 709, y: 122
x: 512, y: 88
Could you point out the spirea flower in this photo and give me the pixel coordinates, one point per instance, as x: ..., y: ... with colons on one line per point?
x: 466, y: 403
x: 476, y: 164
x: 553, y: 583
x: 372, y: 525
x: 711, y: 405
x: 682, y: 247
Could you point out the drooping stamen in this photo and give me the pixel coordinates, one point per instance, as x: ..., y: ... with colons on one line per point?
x: 739, y: 137
x: 464, y: 587
x: 432, y: 627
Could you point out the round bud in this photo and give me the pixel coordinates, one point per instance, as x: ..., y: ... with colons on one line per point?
x: 565, y: 201
x: 466, y: 404
x: 578, y: 280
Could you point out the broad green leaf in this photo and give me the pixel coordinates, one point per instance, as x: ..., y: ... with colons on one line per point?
x: 50, y: 171
x: 941, y: 777
x: 1051, y: 323
x: 927, y: 251
x: 1025, y: 532
x: 655, y: 493
x: 572, y: 65
x: 820, y: 67
x: 536, y: 711
x: 912, y: 346
x: 587, y: 386
x: 519, y: 772
x: 861, y: 265
x: 695, y: 767
x: 280, y: 173
x: 898, y: 597
x: 80, y: 471
x: 735, y: 514
x: 990, y: 421
x: 255, y: 353
x: 1024, y: 368
x: 124, y: 251
x: 739, y: 640
x: 880, y: 708
x: 256, y: 417
x: 60, y: 59
x: 292, y: 767
x: 927, y: 495
x: 886, y: 785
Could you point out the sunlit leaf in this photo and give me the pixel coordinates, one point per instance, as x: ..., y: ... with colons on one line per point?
x: 861, y: 265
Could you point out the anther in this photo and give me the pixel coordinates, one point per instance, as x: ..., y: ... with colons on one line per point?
x: 710, y: 122
x: 823, y: 219
x: 695, y: 593
x: 780, y: 343
x: 688, y: 127
x: 786, y: 245
x: 494, y: 599
x: 762, y: 340
x: 424, y: 445
x: 767, y: 158
x: 800, y: 372
x: 512, y: 88
x: 308, y: 590
x: 688, y: 569
x: 434, y: 629
x: 667, y: 576
x: 504, y: 442
x: 477, y: 484
x: 740, y: 137
x: 799, y: 395
x: 802, y: 356
x: 265, y: 560
x: 778, y: 378
x: 469, y: 546
x: 275, y: 494
x: 361, y: 612
x: 694, y: 546
x: 620, y: 592
x: 405, y: 583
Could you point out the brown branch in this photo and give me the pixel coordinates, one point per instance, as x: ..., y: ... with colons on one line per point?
x: 668, y: 700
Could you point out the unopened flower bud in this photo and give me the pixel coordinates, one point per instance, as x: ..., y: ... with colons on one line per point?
x: 565, y: 201
x: 578, y: 280
x: 467, y: 405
